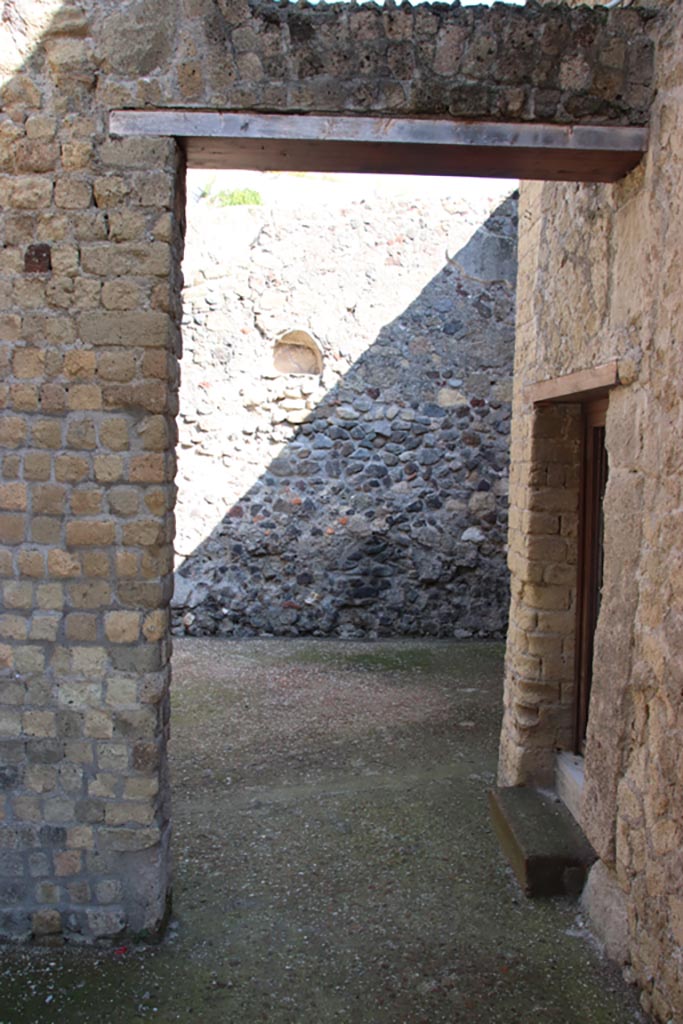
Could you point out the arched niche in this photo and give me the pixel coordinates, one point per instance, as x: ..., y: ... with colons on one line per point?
x: 297, y: 352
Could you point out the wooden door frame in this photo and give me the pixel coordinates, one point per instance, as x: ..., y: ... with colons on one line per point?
x: 594, y: 471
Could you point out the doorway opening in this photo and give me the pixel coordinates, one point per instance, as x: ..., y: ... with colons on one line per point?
x: 368, y: 497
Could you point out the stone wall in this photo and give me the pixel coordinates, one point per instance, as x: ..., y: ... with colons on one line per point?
x: 89, y: 310
x: 89, y: 338
x: 370, y: 499
x: 501, y: 63
x: 598, y: 280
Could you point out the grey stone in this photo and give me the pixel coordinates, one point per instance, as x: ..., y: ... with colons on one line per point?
x: 382, y: 427
x: 8, y: 776
x: 106, y: 924
x: 381, y: 459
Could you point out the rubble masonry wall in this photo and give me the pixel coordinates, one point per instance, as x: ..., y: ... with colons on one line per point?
x: 369, y: 498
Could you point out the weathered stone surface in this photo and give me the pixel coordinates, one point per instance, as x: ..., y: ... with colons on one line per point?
x: 499, y: 64
x: 347, y: 524
x: 604, y: 901
x: 546, y: 850
x: 587, y: 296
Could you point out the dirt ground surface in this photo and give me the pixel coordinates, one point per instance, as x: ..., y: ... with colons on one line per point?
x: 334, y: 860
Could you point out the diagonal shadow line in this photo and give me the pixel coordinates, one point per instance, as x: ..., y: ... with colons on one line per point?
x: 385, y: 514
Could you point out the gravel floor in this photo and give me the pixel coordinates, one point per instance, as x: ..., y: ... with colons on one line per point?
x: 334, y: 860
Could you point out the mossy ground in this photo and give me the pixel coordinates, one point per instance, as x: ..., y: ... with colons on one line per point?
x: 334, y: 860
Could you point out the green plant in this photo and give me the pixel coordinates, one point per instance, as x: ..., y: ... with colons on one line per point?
x: 229, y: 197
x: 239, y: 197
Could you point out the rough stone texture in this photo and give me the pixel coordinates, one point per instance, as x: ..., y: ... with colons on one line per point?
x: 372, y: 498
x: 597, y: 281
x: 604, y: 902
x: 88, y: 364
x: 501, y: 63
x: 87, y: 401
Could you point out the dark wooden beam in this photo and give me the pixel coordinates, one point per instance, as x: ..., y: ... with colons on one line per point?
x: 380, y: 145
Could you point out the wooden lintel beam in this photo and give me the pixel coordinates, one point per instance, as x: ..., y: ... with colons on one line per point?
x: 575, y: 387
x: 303, y: 142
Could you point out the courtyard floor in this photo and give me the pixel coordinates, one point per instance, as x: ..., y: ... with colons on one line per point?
x: 334, y: 860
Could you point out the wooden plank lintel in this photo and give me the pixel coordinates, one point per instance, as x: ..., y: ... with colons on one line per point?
x: 575, y: 387
x: 392, y: 145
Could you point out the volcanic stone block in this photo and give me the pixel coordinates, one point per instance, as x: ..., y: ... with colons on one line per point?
x: 546, y: 849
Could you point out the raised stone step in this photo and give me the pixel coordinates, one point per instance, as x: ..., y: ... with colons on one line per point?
x: 546, y: 848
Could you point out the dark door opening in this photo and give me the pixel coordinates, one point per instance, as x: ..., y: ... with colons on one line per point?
x: 591, y: 556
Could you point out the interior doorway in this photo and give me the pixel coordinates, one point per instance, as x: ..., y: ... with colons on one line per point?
x: 363, y: 494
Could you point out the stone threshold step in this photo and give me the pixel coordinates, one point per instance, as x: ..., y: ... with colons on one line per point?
x: 545, y: 847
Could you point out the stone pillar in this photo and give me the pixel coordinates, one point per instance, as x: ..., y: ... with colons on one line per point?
x: 89, y: 312
x: 539, y: 676
x: 544, y: 496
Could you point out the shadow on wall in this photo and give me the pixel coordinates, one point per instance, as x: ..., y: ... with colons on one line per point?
x: 384, y: 513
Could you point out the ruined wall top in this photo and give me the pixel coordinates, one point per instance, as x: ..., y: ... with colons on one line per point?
x: 507, y: 63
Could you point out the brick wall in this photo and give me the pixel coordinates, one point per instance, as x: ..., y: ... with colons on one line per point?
x: 542, y: 546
